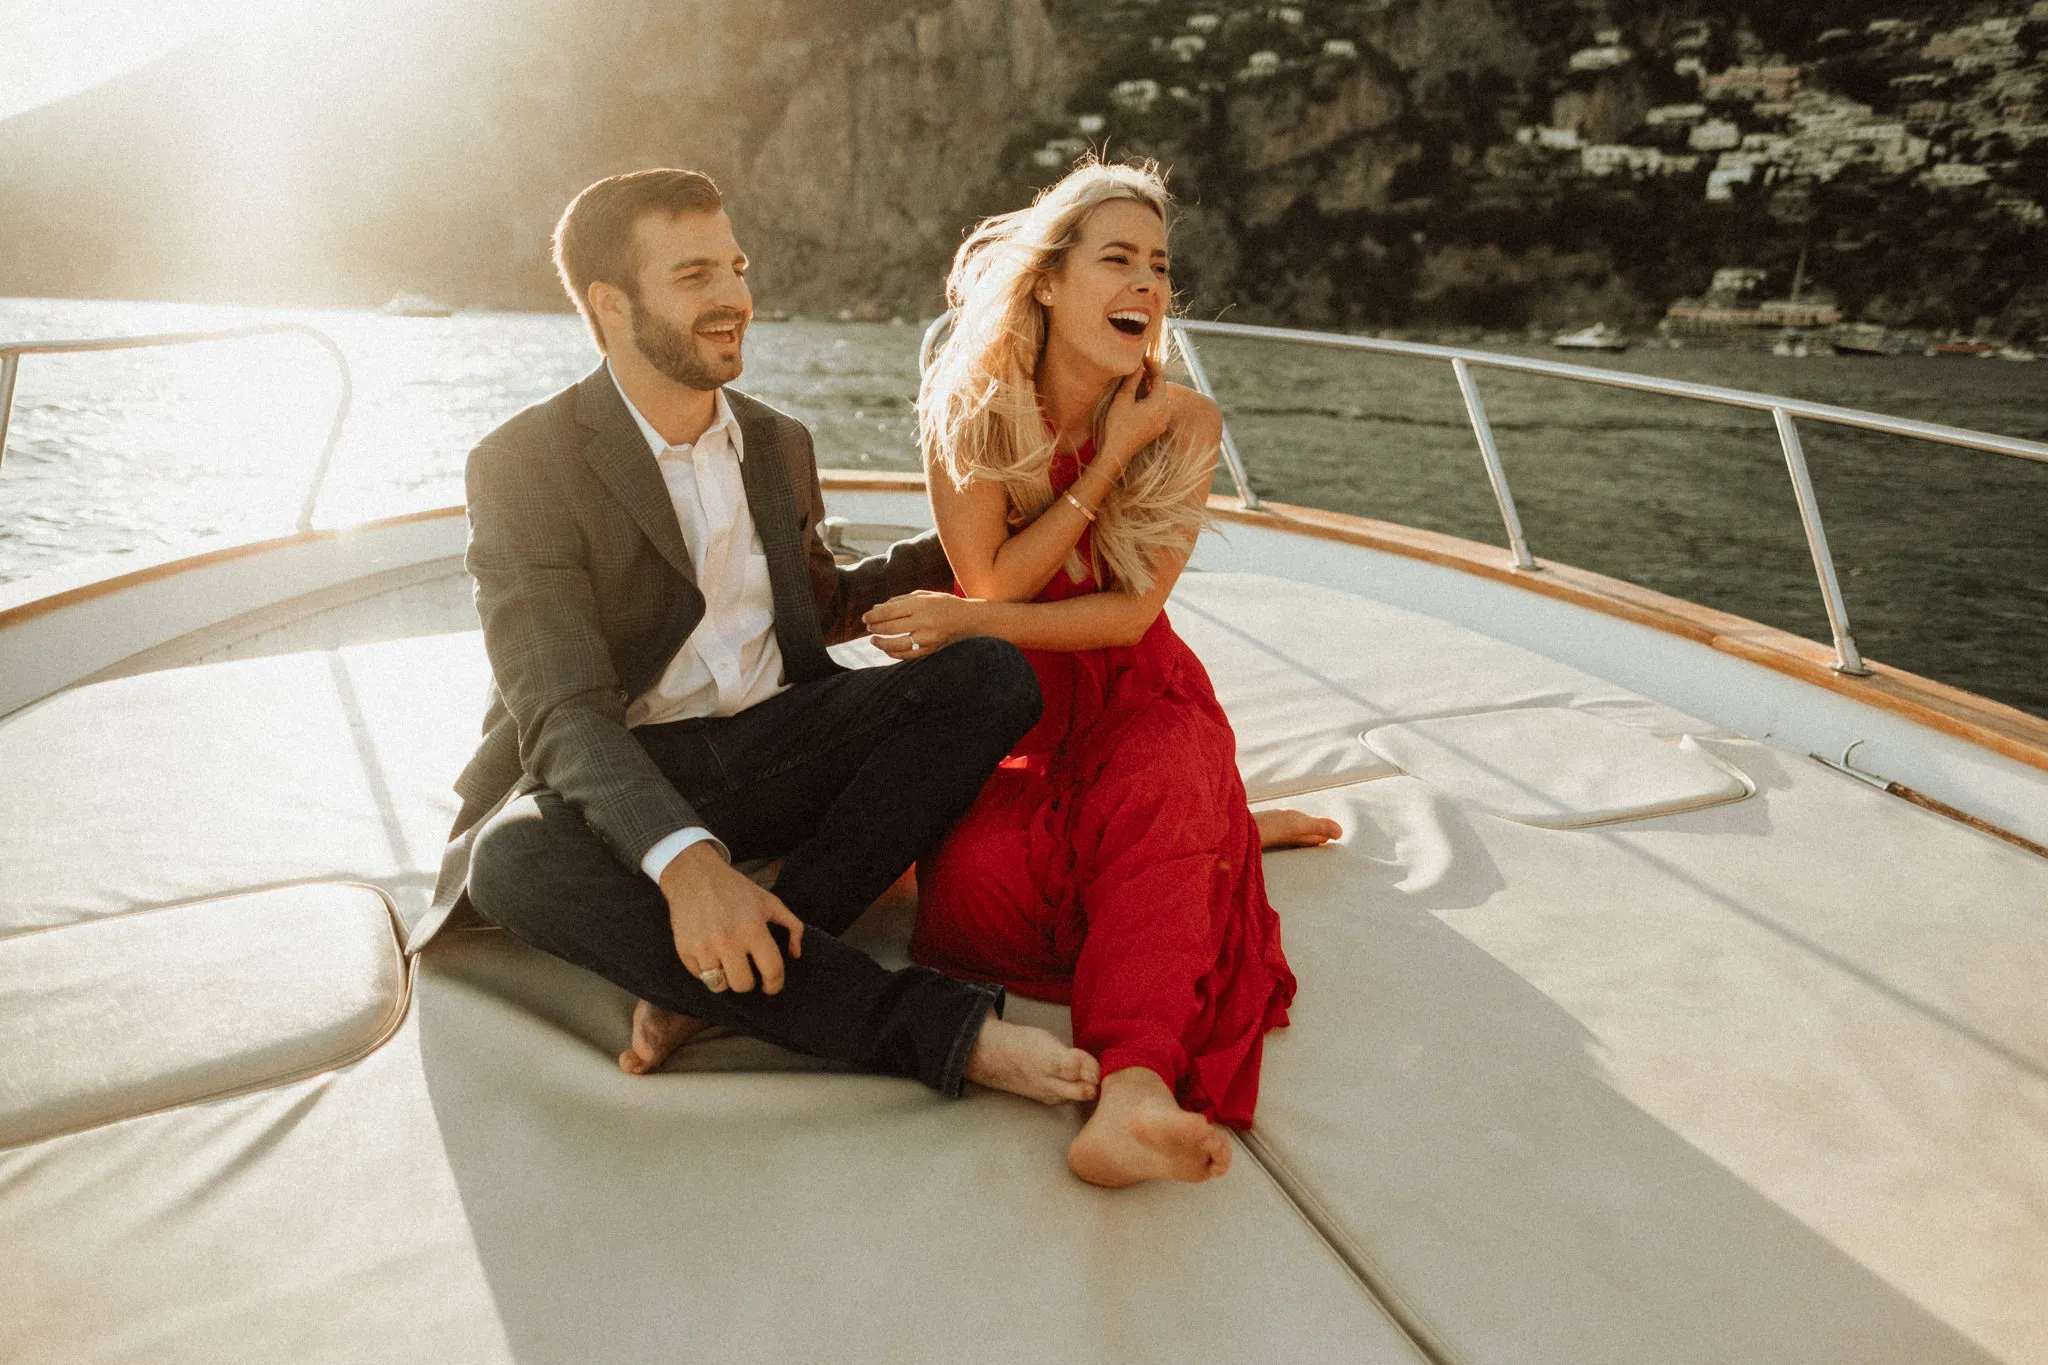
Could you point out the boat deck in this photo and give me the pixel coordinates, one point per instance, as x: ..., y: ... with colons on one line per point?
x: 1619, y: 1039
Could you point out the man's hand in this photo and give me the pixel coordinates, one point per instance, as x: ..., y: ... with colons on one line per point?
x: 720, y: 919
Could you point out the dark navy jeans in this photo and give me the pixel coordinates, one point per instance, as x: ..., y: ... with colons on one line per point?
x: 848, y: 779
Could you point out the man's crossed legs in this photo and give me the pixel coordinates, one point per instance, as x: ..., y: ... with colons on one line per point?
x: 848, y: 779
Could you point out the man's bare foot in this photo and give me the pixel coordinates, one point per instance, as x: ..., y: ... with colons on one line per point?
x: 656, y: 1033
x: 1294, y: 829
x: 1139, y: 1132
x: 1031, y: 1062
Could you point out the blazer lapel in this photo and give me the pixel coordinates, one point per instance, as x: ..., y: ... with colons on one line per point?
x: 772, y: 502
x: 619, y: 455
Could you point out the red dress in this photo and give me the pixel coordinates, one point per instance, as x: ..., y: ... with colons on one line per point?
x: 1111, y: 863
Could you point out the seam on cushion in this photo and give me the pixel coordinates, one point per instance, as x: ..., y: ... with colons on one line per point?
x: 1371, y: 1277
x: 401, y: 1005
x: 230, y: 893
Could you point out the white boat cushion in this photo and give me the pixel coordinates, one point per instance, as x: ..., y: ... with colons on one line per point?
x: 1766, y: 1081
x: 1555, y: 767
x: 305, y: 765
x: 1302, y: 670
x: 487, y: 1187
x: 134, y: 1013
x: 918, y: 1229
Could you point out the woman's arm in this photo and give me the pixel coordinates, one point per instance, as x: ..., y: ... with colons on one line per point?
x: 1001, y: 565
x: 917, y: 623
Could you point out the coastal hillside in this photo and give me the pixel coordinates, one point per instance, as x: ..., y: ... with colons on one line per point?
x: 1378, y: 163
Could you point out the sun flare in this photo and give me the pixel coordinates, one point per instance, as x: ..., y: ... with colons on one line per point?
x: 60, y: 48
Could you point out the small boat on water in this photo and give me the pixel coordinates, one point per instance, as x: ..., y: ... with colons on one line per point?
x: 1673, y: 995
x: 1962, y: 347
x: 2018, y: 353
x: 1791, y: 345
x: 407, y: 304
x: 1862, y: 339
x: 1598, y: 337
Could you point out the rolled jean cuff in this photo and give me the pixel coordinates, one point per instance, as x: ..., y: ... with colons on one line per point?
x: 987, y: 1000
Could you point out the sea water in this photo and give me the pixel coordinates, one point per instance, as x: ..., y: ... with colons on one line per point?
x: 1942, y: 552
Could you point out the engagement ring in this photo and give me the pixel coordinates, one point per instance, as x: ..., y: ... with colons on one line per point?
x: 714, y: 980
x: 915, y: 646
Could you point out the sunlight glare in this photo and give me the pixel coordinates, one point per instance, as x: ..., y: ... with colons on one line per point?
x: 54, y: 49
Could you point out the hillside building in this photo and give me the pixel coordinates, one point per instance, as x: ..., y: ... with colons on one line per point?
x: 1548, y: 139
x: 1600, y: 58
x: 1611, y: 158
x: 1953, y: 175
x: 1715, y: 135
x: 1675, y: 115
x: 1748, y: 84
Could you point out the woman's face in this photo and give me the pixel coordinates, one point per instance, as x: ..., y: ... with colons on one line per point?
x: 1107, y: 301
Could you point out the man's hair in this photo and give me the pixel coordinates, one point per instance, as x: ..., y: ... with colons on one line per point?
x: 594, y: 239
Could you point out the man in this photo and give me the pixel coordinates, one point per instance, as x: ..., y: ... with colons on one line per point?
x: 656, y: 603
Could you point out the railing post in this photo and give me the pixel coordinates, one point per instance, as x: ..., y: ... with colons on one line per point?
x: 341, y: 407
x: 1518, y: 546
x: 1847, y: 660
x: 10, y: 365
x: 1235, y: 462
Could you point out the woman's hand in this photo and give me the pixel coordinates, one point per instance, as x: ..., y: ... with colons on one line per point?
x: 1138, y: 415
x: 917, y: 623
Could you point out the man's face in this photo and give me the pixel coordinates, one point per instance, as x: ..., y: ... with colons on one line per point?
x: 693, y: 307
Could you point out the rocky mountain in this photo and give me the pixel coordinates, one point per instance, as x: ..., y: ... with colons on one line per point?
x: 1353, y: 163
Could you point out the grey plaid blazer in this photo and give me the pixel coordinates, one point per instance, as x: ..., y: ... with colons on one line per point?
x: 585, y: 590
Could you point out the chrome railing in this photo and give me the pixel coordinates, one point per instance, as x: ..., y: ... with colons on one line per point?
x: 11, y: 353
x: 1783, y: 413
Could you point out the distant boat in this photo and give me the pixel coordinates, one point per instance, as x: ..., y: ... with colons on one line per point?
x: 2016, y: 353
x: 1861, y: 339
x: 1791, y: 345
x: 1598, y: 337
x: 406, y: 304
x: 1963, y: 346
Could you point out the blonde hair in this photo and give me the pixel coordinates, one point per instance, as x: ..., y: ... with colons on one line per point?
x: 977, y: 407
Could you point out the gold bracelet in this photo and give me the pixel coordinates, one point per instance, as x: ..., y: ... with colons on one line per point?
x: 1077, y: 505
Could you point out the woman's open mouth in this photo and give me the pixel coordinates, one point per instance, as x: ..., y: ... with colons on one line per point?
x: 1132, y: 322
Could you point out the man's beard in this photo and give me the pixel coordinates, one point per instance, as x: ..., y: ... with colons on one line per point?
x: 670, y: 349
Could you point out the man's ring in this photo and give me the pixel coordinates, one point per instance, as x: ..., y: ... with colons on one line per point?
x: 714, y: 980
x: 915, y: 646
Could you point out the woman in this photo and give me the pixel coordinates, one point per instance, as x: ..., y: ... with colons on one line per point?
x: 1111, y: 862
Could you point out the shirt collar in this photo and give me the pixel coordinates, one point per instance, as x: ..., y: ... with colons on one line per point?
x: 722, y: 420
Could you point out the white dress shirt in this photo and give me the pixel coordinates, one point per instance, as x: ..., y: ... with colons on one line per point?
x: 731, y: 661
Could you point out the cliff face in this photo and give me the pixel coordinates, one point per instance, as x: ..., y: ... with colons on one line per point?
x: 885, y: 150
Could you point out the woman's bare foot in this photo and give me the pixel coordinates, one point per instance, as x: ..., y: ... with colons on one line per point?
x: 1031, y: 1062
x: 656, y: 1033
x: 1294, y: 829
x: 1139, y: 1132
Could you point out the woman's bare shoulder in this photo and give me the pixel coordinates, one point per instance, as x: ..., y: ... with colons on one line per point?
x: 1196, y: 413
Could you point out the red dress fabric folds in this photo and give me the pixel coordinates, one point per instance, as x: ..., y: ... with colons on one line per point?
x: 1111, y: 863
